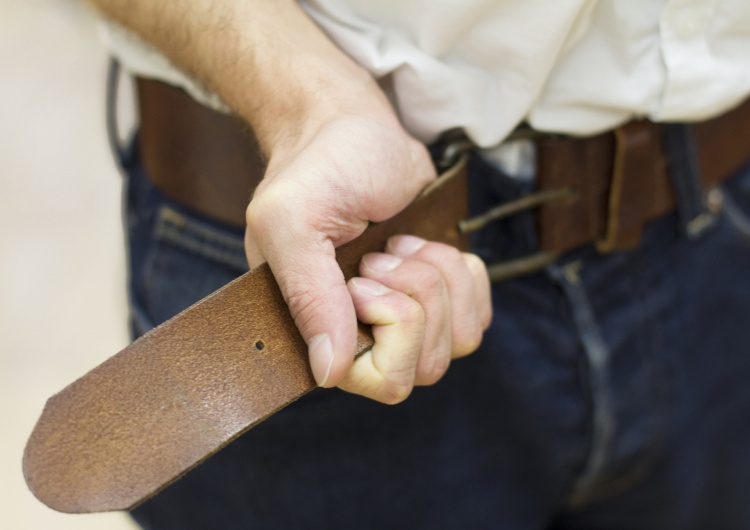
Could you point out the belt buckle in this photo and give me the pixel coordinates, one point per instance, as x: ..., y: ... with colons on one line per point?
x: 455, y: 144
x: 506, y: 270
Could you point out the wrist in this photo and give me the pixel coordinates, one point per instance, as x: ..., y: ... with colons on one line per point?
x: 266, y: 58
x: 295, y: 106
x: 285, y: 78
x: 320, y: 92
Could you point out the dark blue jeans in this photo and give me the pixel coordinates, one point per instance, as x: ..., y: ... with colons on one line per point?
x: 610, y: 392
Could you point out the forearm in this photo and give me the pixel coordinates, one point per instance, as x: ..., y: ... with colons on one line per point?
x: 265, y: 58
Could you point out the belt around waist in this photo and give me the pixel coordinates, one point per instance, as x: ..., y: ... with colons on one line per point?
x: 193, y: 386
x: 613, y: 183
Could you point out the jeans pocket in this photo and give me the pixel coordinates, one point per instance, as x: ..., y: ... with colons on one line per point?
x: 186, y: 259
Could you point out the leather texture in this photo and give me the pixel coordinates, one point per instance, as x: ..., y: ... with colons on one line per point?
x: 160, y: 407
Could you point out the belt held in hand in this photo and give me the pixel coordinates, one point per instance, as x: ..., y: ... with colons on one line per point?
x: 164, y: 404
x: 160, y: 407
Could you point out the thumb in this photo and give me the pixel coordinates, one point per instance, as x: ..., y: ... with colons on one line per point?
x: 320, y: 303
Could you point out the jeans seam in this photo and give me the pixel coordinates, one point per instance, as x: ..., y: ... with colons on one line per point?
x: 188, y: 234
x: 600, y: 393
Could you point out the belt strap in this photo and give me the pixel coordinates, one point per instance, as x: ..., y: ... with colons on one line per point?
x: 146, y: 416
x: 204, y: 159
x: 160, y: 407
x: 620, y: 180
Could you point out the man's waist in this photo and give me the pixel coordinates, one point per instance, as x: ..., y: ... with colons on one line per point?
x: 604, y: 188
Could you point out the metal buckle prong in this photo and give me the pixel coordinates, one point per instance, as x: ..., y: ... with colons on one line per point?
x: 455, y: 146
x: 528, y: 264
x: 508, y: 209
x: 506, y: 270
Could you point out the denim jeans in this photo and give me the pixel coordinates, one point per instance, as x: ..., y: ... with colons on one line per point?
x: 610, y: 392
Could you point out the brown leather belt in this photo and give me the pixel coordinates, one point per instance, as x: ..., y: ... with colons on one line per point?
x: 174, y: 397
x: 161, y: 406
x: 621, y: 180
x: 615, y: 182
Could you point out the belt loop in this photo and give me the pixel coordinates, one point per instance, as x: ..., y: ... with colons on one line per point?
x: 692, y: 210
x: 632, y: 192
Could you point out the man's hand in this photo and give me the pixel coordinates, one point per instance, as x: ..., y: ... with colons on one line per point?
x: 338, y: 158
x: 427, y: 302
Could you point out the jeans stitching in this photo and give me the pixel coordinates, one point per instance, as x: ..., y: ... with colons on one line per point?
x: 199, y: 239
x: 598, y: 356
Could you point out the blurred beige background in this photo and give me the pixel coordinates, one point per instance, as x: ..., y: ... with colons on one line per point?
x: 62, y: 296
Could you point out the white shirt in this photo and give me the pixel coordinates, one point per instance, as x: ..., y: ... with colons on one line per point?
x: 569, y: 66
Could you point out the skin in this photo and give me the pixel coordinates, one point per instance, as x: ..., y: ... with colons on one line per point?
x: 338, y: 158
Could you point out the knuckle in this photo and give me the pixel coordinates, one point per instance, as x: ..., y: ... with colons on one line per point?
x: 394, y: 393
x: 450, y: 253
x: 468, y: 342
x: 259, y: 217
x: 254, y: 218
x: 259, y: 207
x: 475, y: 264
x: 267, y: 207
x: 411, y: 313
x: 303, y: 304
x: 434, y: 373
x: 429, y: 279
x: 441, y: 253
x: 486, y: 317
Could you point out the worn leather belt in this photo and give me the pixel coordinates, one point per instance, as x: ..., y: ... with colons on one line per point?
x: 146, y: 416
x: 617, y: 181
x: 152, y: 412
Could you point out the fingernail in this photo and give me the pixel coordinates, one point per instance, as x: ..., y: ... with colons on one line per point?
x: 321, y: 357
x: 381, y: 262
x: 366, y: 286
x: 405, y: 245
